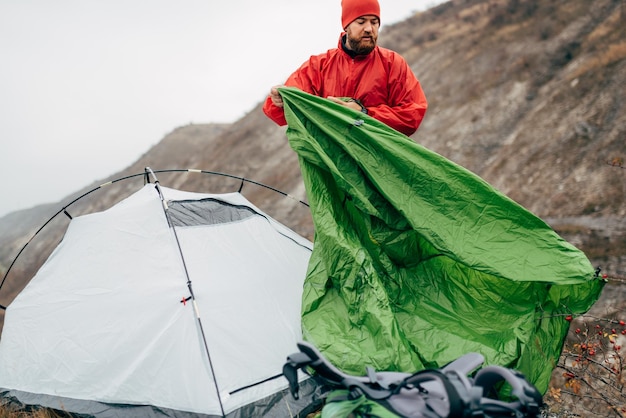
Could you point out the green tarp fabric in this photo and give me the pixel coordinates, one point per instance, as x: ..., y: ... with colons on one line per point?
x: 418, y: 261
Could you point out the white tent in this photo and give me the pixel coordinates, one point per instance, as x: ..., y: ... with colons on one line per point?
x: 169, y: 303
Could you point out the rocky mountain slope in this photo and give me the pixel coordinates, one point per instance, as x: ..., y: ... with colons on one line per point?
x: 528, y: 94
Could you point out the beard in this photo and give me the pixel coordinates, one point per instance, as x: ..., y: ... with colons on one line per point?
x: 361, y: 46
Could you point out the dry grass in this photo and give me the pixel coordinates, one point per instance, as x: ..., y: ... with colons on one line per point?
x: 602, y: 59
x: 39, y: 413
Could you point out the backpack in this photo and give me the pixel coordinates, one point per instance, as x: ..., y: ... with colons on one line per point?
x: 448, y: 392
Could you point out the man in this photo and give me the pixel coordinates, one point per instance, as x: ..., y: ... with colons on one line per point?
x: 376, y: 81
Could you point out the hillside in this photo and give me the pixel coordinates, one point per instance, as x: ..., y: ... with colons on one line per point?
x: 528, y: 94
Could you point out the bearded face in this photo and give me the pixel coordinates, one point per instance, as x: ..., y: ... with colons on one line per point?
x: 362, y: 34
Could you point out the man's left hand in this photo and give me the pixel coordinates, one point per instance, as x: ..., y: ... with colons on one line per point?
x: 347, y: 103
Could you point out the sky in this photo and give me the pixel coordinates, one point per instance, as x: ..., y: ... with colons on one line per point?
x: 88, y: 86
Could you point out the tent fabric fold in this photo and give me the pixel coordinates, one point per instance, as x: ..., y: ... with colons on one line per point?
x: 418, y: 260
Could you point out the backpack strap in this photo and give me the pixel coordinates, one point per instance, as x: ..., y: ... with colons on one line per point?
x: 295, y: 362
x: 325, y: 373
x: 446, y: 392
x: 528, y: 400
x: 455, y: 401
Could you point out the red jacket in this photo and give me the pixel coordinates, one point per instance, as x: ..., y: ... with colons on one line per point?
x: 381, y: 80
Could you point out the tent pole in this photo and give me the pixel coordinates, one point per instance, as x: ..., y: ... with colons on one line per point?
x: 193, y: 298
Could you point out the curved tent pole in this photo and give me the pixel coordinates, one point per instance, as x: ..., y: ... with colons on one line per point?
x: 146, y: 176
x: 170, y: 223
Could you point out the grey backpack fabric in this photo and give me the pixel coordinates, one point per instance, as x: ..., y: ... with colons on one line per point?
x: 449, y: 392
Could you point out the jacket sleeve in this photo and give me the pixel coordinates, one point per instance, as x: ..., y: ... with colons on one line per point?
x: 407, y: 102
x: 275, y: 113
x: 305, y: 79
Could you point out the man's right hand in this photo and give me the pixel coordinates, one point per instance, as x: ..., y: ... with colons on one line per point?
x: 275, y: 96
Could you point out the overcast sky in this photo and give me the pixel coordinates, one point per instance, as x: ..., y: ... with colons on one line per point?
x: 88, y: 86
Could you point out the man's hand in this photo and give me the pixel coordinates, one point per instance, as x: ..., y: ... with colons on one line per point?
x: 275, y: 96
x: 347, y: 103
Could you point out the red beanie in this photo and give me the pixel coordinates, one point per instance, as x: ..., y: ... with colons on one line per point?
x: 353, y: 9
